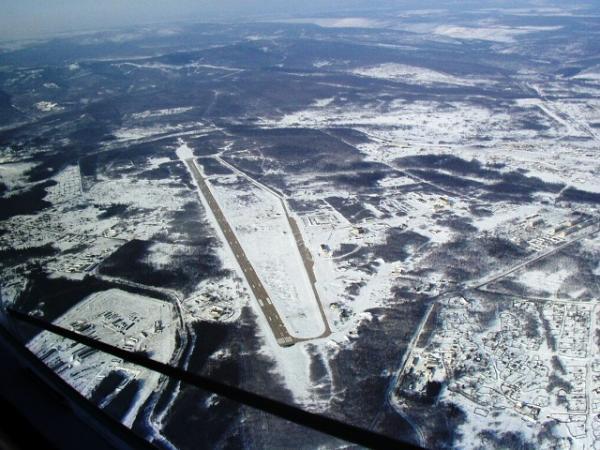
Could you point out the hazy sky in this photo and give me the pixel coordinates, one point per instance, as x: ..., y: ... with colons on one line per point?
x: 30, y: 18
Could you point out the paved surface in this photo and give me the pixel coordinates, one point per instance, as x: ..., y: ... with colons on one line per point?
x: 302, y: 248
x: 273, y: 318
x: 308, y: 266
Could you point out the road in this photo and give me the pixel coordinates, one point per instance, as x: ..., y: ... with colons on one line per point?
x: 308, y: 266
x: 389, y: 398
x: 491, y: 278
x: 278, y: 328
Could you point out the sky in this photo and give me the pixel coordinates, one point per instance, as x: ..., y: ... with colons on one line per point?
x: 22, y: 19
x: 32, y: 18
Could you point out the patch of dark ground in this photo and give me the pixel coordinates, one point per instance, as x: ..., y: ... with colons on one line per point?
x: 63, y: 139
x: 363, y: 262
x: 581, y: 260
x: 319, y: 375
x: 344, y: 249
x: 8, y: 113
x: 469, y: 257
x: 448, y: 163
x: 578, y: 196
x: 358, y: 180
x: 351, y: 208
x: 188, y: 266
x: 199, y: 420
x: 465, y: 185
x: 509, y: 439
x: 399, y: 244
x: 114, y: 210
x: 173, y: 170
x: 49, y: 163
x: 27, y: 202
x: 532, y: 123
x: 480, y: 210
x: 515, y: 186
x: 12, y: 257
x: 304, y: 206
x: 512, y: 287
x: 374, y: 199
x: 350, y: 135
x: 507, y: 186
x: 455, y: 223
x: 119, y: 406
x: 212, y: 166
x: 252, y: 167
x: 259, y: 170
x: 353, y: 288
x: 208, y: 145
x: 300, y: 150
x: 107, y: 386
x: 365, y: 370
x: 135, y: 156
x: 188, y: 226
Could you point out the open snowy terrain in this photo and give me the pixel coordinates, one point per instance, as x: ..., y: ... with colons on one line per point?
x: 417, y: 190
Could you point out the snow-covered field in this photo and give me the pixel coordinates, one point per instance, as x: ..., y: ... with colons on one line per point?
x: 419, y: 151
x: 501, y: 372
x: 12, y: 173
x: 496, y: 34
x: 412, y: 75
x: 118, y: 318
x: 257, y: 216
x: 161, y: 113
x: 341, y: 22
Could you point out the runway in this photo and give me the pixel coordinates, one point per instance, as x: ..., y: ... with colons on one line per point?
x: 278, y: 328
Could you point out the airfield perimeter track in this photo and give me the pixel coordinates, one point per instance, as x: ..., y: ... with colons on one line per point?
x: 302, y: 249
x: 279, y: 329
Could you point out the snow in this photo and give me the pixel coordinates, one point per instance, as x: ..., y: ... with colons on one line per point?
x: 67, y: 187
x: 257, y: 216
x: 591, y: 73
x: 47, y: 106
x: 322, y: 63
x: 154, y: 163
x: 549, y: 281
x: 322, y: 102
x: 501, y: 216
x: 139, y: 311
x: 184, y: 151
x: 292, y: 363
x: 129, y: 134
x: 161, y: 112
x: 175, y: 67
x: 495, y: 34
x: 344, y: 22
x: 399, y: 121
x: 12, y: 174
x: 411, y: 74
x: 543, y: 106
x: 160, y: 254
x: 217, y: 300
